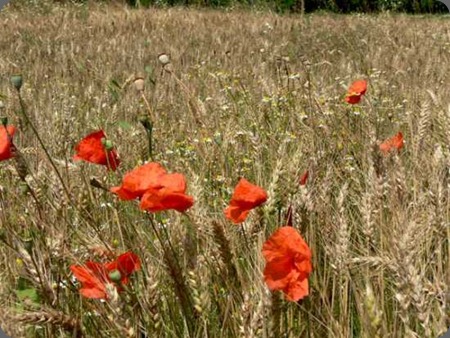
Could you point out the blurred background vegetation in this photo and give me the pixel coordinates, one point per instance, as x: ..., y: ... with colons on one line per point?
x: 294, y: 6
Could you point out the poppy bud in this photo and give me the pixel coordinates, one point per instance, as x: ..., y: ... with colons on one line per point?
x: 164, y: 59
x: 115, y: 243
x: 4, y: 121
x: 115, y: 276
x: 139, y: 84
x: 2, y: 105
x: 17, y: 81
x: 107, y: 144
x: 145, y: 121
x: 96, y: 183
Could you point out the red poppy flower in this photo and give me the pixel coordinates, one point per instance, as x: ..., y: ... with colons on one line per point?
x: 6, y: 145
x: 92, y: 149
x: 171, y: 195
x: 288, y: 263
x: 94, y: 276
x: 139, y: 180
x: 157, y: 190
x: 395, y: 142
x: 356, y: 91
x: 246, y: 197
x: 304, y: 178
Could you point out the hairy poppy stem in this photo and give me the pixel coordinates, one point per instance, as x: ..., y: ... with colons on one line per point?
x: 148, y: 125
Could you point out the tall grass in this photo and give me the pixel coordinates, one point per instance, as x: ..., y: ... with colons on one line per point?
x: 248, y: 94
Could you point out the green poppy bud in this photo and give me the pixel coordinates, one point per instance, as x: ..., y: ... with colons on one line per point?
x: 115, y: 276
x: 17, y: 81
x: 115, y: 243
x: 4, y: 121
x: 145, y: 121
x: 107, y: 144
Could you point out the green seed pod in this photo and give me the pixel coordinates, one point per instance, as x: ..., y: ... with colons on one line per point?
x: 115, y: 276
x: 107, y: 144
x: 17, y: 81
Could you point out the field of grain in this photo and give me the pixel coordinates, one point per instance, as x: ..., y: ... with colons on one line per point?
x: 251, y: 95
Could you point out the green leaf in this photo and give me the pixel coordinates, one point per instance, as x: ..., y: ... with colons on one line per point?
x: 115, y: 84
x: 30, y: 294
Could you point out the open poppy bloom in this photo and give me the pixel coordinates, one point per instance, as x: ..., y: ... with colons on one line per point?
x: 246, y: 196
x: 156, y: 189
x: 170, y: 195
x: 356, y: 91
x: 92, y: 149
x: 6, y: 145
x: 95, y: 277
x: 288, y: 263
x: 393, y: 143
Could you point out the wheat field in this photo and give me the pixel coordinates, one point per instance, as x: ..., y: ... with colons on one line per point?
x: 247, y: 94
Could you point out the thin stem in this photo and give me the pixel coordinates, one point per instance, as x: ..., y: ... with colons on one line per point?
x: 25, y: 115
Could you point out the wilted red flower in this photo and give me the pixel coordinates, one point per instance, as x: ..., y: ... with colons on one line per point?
x: 157, y: 189
x: 94, y: 277
x: 356, y: 91
x: 246, y: 197
x: 288, y: 263
x: 92, y: 149
x: 6, y: 145
x: 304, y: 178
x: 395, y: 142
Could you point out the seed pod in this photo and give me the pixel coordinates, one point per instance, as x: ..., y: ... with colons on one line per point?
x: 17, y: 81
x: 115, y: 276
x: 139, y: 84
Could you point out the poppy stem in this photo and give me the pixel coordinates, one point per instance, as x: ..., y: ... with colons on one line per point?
x: 150, y: 143
x: 33, y: 128
x: 148, y: 126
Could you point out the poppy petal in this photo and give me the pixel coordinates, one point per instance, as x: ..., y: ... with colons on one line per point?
x: 136, y: 182
x: 6, y: 145
x: 128, y: 263
x: 235, y: 214
x: 94, y: 293
x: 357, y: 89
x: 165, y: 199
x: 288, y: 263
x: 297, y: 290
x: 248, y: 195
x: 91, y: 149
